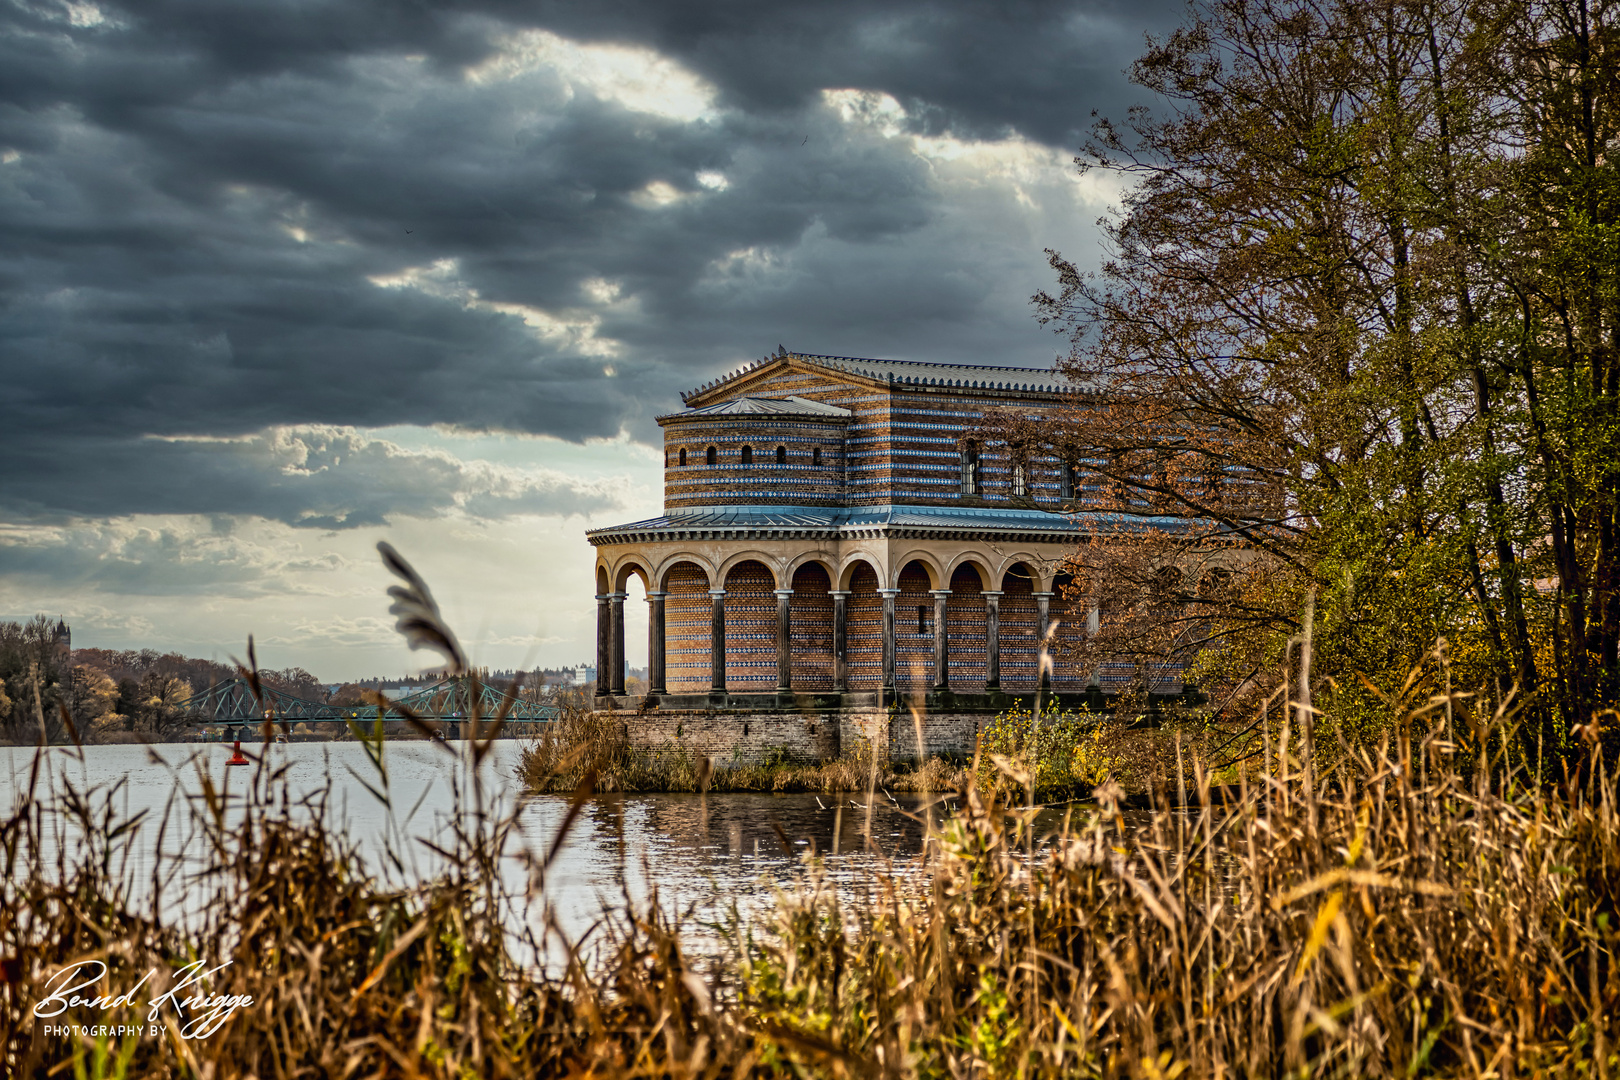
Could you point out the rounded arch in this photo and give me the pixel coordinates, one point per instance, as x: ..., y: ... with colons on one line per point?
x: 971, y: 560
x: 631, y: 564
x: 810, y: 558
x: 1070, y: 614
x: 781, y: 455
x: 677, y: 559
x: 710, y: 456
x: 810, y: 635
x: 851, y: 563
x: 688, y: 613
x: 914, y: 628
x: 1020, y: 624
x: 1023, y: 564
x: 602, y: 579
x: 683, y: 455
x: 967, y: 622
x: 747, y: 455
x: 770, y: 562
x: 750, y: 623
x: 930, y: 564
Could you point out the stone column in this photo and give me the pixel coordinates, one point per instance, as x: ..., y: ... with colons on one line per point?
x: 888, y: 636
x: 655, y: 643
x: 1043, y: 610
x: 604, y: 635
x: 717, y: 643
x: 942, y: 649
x: 784, y: 641
x: 616, y: 647
x: 992, y: 640
x: 840, y: 640
x: 1093, y: 624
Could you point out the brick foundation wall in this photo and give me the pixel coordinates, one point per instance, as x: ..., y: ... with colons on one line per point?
x: 736, y: 737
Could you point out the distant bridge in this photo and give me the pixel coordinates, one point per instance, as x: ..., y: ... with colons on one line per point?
x: 448, y: 703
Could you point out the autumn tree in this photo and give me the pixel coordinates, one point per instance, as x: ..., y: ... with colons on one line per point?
x: 91, y: 697
x: 157, y: 700
x: 31, y: 669
x: 1354, y: 338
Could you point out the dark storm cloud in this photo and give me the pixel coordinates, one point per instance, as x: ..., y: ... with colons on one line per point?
x: 311, y: 477
x: 216, y: 219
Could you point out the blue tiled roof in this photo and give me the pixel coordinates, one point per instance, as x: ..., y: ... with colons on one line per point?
x: 890, y: 516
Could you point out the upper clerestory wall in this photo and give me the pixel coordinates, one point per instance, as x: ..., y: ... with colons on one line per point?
x: 812, y: 474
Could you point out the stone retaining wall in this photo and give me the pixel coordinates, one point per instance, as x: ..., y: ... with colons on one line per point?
x: 741, y: 737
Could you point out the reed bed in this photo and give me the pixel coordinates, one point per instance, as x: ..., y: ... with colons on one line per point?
x: 1421, y: 909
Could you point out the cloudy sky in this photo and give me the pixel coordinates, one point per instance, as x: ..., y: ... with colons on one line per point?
x: 280, y: 279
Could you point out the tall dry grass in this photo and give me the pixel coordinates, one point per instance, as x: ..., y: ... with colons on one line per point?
x: 1421, y: 909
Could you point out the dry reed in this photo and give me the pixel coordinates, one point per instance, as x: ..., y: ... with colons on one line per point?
x: 1418, y: 911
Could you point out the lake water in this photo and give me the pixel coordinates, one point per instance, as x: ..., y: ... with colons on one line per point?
x: 703, y: 854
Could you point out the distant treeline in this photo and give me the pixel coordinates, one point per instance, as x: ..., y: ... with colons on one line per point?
x: 129, y: 694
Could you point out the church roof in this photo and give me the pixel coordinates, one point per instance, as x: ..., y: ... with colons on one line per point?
x: 764, y: 406
x: 916, y: 373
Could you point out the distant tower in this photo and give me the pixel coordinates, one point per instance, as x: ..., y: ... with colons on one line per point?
x: 63, y: 640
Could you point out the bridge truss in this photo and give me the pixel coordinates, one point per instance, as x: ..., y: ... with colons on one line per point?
x: 231, y: 704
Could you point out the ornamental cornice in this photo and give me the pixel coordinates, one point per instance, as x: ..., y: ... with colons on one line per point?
x: 610, y: 536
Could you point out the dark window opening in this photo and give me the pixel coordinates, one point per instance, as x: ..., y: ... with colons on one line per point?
x: 781, y: 455
x: 1071, y: 480
x: 922, y: 618
x: 683, y: 455
x: 970, y: 469
x: 748, y: 455
x: 712, y: 455
x: 815, y: 456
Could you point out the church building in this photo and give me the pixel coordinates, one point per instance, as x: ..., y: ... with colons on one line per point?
x: 833, y: 539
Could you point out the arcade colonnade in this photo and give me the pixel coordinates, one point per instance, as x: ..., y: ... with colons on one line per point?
x: 754, y: 623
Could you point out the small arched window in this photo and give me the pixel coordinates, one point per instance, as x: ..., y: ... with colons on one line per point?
x: 748, y: 455
x: 815, y: 456
x: 1020, y: 481
x: 1071, y: 480
x: 781, y: 455
x: 970, y: 468
x: 712, y: 455
x: 683, y: 455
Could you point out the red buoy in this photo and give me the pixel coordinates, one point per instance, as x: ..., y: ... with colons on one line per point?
x: 236, y: 754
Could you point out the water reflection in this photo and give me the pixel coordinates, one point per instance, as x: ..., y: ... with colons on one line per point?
x: 703, y: 855
x: 708, y: 857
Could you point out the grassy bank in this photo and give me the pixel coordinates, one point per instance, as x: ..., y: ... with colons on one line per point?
x: 1424, y: 919
x: 1067, y: 753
